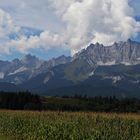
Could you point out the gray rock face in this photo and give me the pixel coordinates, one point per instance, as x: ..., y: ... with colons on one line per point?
x: 127, y: 53
x: 18, y: 71
x: 47, y: 65
x: 78, y: 68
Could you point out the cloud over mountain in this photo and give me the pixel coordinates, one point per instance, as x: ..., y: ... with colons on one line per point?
x: 93, y: 21
x: 85, y: 22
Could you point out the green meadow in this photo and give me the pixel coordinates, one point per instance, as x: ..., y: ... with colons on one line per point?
x: 28, y: 125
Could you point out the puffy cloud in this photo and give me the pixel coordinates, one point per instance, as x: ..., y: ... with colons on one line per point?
x: 45, y: 40
x: 19, y: 41
x: 91, y: 21
x: 6, y: 25
x: 85, y: 22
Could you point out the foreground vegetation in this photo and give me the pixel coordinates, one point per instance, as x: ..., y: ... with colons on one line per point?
x: 5, y: 138
x: 68, y: 118
x: 22, y: 125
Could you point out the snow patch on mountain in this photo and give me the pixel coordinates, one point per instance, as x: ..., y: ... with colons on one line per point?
x: 106, y: 64
x: 22, y: 69
x: 1, y: 75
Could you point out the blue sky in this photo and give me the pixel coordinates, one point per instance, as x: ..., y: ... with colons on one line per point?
x: 65, y: 31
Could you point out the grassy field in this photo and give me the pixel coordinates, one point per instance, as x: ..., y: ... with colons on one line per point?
x: 5, y: 138
x: 21, y: 125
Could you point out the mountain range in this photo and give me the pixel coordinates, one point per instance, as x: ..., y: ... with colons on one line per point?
x: 97, y: 70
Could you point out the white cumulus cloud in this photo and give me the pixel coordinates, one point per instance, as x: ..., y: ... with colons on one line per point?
x: 7, y: 27
x: 85, y: 22
x: 90, y: 21
x: 45, y: 40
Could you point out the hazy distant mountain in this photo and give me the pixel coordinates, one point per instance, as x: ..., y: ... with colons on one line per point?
x: 97, y: 70
x: 18, y: 71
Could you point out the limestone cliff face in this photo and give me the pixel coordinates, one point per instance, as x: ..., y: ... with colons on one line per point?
x: 127, y: 53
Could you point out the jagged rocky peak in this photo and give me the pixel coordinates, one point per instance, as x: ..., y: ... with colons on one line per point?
x: 28, y: 57
x: 127, y: 53
x: 129, y: 40
x: 47, y: 65
x: 16, y: 61
x: 59, y: 60
x: 31, y: 61
x: 63, y: 59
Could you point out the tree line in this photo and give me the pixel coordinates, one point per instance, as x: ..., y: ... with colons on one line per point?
x: 96, y: 104
x: 19, y: 101
x: 28, y: 101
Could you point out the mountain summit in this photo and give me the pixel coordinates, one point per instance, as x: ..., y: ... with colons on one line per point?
x: 127, y: 53
x: 29, y: 66
x: 97, y: 70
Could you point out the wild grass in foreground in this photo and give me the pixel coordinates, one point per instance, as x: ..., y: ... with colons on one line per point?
x: 20, y: 125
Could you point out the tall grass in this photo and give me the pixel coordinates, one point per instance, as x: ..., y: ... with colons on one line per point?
x: 69, y: 126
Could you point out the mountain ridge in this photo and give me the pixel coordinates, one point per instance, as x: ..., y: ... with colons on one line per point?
x: 103, y: 69
x: 20, y: 70
x: 123, y: 52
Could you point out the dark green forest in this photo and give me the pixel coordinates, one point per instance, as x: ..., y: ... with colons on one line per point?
x: 19, y: 101
x: 29, y: 101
